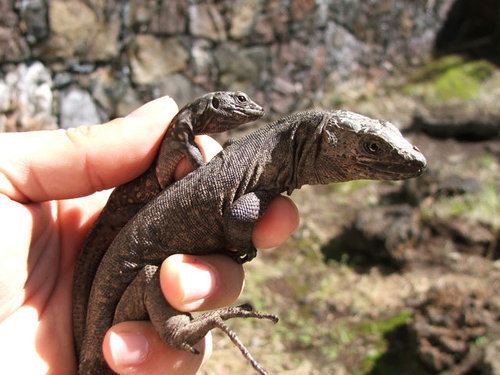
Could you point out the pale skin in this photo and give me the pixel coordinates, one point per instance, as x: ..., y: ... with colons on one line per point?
x: 51, y: 186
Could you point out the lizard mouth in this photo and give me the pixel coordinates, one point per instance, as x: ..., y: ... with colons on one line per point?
x: 249, y: 112
x: 398, y: 171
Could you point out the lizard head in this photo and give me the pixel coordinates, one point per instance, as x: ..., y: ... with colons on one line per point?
x: 358, y: 147
x: 230, y: 109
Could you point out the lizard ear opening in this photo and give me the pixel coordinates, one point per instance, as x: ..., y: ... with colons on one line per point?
x: 215, y: 103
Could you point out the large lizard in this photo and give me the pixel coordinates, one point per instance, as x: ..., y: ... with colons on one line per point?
x: 232, y: 191
x: 211, y: 113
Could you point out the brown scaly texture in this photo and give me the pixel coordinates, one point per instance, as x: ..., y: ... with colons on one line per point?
x: 232, y: 191
x: 212, y: 113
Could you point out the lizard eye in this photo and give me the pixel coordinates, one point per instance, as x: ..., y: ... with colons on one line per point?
x: 215, y: 103
x: 242, y: 98
x: 371, y: 147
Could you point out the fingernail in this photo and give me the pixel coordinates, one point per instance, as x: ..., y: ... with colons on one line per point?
x: 128, y: 348
x: 196, y: 281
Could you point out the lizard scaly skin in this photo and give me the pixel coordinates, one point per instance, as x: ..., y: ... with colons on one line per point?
x: 211, y: 113
x: 232, y: 191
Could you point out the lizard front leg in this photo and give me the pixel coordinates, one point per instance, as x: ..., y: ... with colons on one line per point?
x: 180, y: 330
x: 239, y: 222
x: 179, y: 143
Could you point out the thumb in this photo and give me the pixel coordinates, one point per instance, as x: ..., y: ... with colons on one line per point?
x: 136, y: 348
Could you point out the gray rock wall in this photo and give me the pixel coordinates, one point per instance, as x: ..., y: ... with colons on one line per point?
x: 102, y: 59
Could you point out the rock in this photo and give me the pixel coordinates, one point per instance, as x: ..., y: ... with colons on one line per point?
x: 77, y: 108
x: 259, y: 22
x: 448, y: 323
x: 491, y: 364
x: 203, y: 65
x: 4, y: 97
x: 140, y: 13
x: 4, y: 105
x: 170, y: 18
x: 153, y: 58
x: 179, y: 88
x: 205, y: 21
x: 301, y: 9
x: 158, y: 17
x: 462, y: 120
x: 34, y: 18
x: 241, y: 65
x: 77, y: 31
x: 243, y: 16
x: 397, y: 32
x: 61, y: 80
x: 457, y: 185
x: 284, y: 95
x: 109, y: 87
x: 272, y: 24
x: 27, y: 98
x: 345, y: 52
x: 434, y: 183
x: 13, y: 47
x: 464, y: 236
x: 127, y: 102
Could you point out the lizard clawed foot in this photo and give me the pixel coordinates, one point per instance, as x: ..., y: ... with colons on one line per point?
x: 184, y: 336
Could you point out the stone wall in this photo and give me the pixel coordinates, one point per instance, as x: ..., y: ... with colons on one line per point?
x: 72, y: 62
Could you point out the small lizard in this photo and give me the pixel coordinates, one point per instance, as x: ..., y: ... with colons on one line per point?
x: 211, y: 113
x: 233, y: 191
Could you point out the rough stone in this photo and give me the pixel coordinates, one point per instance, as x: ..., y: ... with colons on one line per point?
x: 158, y: 17
x: 464, y: 236
x: 108, y: 88
x: 140, y: 13
x: 301, y: 9
x: 4, y: 97
x: 448, y: 323
x: 243, y: 16
x: 77, y: 108
x: 27, y: 98
x: 205, y: 21
x: 128, y: 102
x: 345, y: 52
x: 463, y: 120
x: 434, y: 183
x: 12, y: 45
x: 241, y: 65
x: 34, y: 19
x: 77, y: 31
x: 153, y: 58
x: 179, y: 88
x: 170, y: 18
x: 61, y: 80
x: 271, y: 24
x: 492, y: 357
x: 284, y: 95
x: 399, y: 32
x: 203, y: 65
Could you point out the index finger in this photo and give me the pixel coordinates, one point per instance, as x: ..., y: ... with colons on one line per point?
x: 58, y: 164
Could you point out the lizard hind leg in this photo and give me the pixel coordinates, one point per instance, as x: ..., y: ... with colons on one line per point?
x: 144, y: 298
x: 237, y: 342
x: 200, y: 325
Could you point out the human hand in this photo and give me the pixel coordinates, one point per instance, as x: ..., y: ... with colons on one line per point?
x: 50, y: 184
